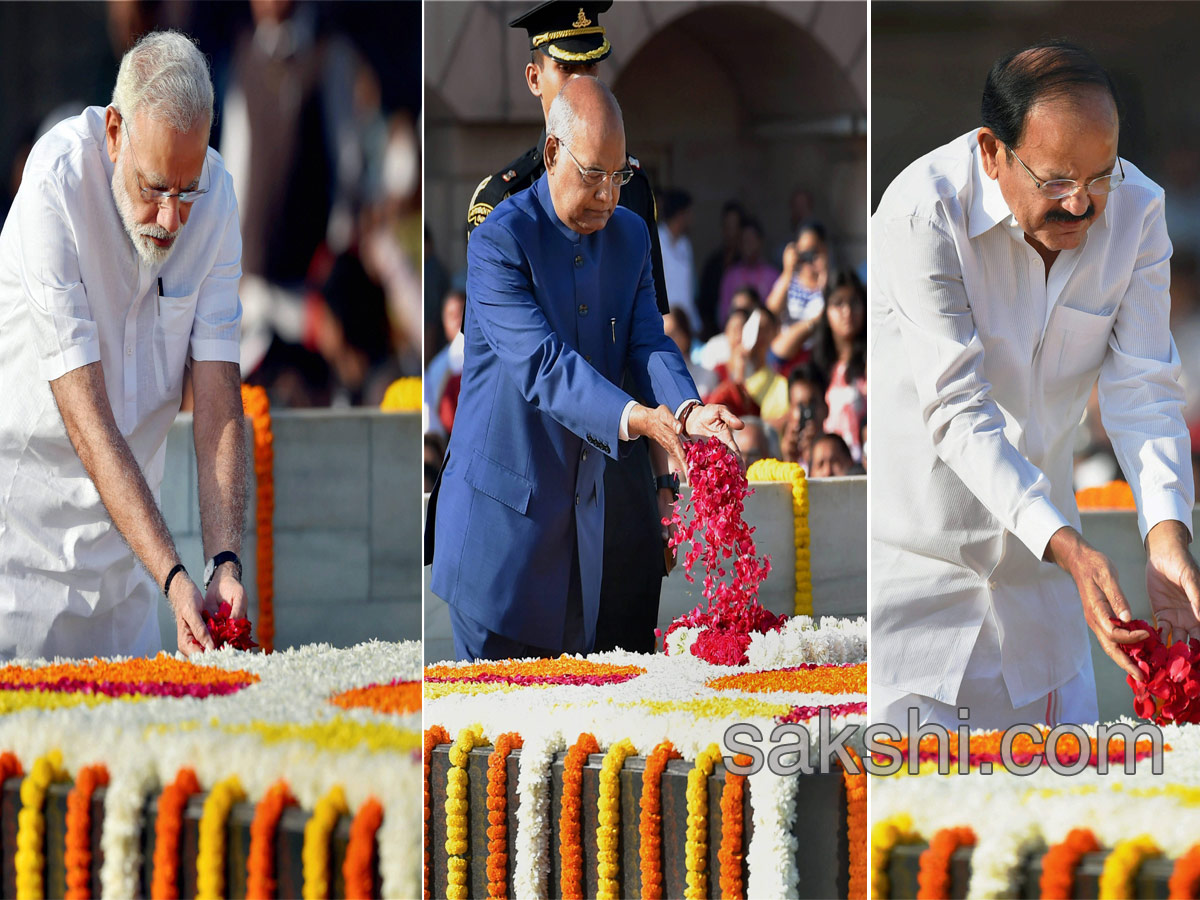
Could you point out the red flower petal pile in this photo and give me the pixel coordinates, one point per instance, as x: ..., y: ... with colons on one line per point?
x: 224, y: 630
x: 724, y: 542
x: 1171, y: 691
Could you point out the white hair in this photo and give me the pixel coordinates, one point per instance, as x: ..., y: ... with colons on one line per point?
x: 166, y: 76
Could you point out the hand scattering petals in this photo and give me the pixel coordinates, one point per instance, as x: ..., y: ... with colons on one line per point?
x: 224, y: 630
x: 1171, y: 691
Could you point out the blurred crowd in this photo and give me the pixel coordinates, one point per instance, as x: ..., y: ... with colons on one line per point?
x: 776, y: 332
x: 317, y: 121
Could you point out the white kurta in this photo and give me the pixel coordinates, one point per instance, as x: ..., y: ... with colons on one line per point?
x: 980, y: 370
x: 72, y: 292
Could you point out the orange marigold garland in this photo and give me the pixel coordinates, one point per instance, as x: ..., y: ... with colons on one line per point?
x: 933, y: 875
x: 497, y: 804
x: 569, y: 834
x: 171, y: 803
x: 1185, y: 876
x: 360, y: 851
x: 650, y: 822
x: 258, y: 408
x: 434, y: 735
x: 397, y: 697
x: 260, y: 860
x: 1113, y: 495
x: 1061, y: 860
x: 731, y: 854
x: 856, y: 826
x: 78, y: 851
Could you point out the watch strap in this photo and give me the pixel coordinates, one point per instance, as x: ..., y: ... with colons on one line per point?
x: 669, y: 481
x: 219, y: 560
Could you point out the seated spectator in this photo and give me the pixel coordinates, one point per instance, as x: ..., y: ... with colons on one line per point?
x: 806, y: 414
x: 751, y: 270
x: 751, y: 386
x: 798, y: 295
x: 675, y: 324
x: 440, y: 368
x: 757, y: 440
x: 840, y: 351
x: 714, y: 355
x: 830, y: 457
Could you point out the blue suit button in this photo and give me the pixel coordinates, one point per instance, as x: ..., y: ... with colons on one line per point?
x: 576, y: 499
x: 583, y: 456
x: 583, y: 309
x: 579, y: 262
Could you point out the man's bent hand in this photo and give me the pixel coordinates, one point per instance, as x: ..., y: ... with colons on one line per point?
x: 659, y: 424
x: 188, y: 605
x: 1173, y: 579
x: 225, y: 588
x: 715, y: 420
x: 1099, y: 592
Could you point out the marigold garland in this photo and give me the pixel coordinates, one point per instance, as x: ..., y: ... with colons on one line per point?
x: 402, y: 395
x: 650, y: 820
x: 167, y: 825
x: 985, y: 747
x: 856, y: 826
x: 497, y: 804
x: 1113, y: 495
x: 569, y: 833
x: 77, y: 855
x: 30, y: 862
x: 608, y: 828
x: 258, y: 407
x: 210, y: 853
x: 1061, y: 860
x: 360, y: 851
x: 808, y: 678
x: 458, y: 810
x: 1122, y: 864
x: 163, y: 676
x: 314, y: 855
x: 260, y: 859
x: 398, y: 697
x: 933, y: 874
x: 564, y: 670
x: 1185, y: 876
x: 731, y: 854
x: 697, y: 823
x: 793, y: 474
x: 885, y: 835
x: 434, y: 735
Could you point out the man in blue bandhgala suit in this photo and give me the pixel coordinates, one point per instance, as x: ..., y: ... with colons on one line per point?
x: 560, y: 300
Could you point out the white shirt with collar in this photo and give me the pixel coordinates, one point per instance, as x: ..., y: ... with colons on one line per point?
x: 981, y: 368
x: 73, y: 291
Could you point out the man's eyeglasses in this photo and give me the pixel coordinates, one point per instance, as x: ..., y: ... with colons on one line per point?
x: 1062, y: 188
x: 597, y: 177
x: 153, y: 195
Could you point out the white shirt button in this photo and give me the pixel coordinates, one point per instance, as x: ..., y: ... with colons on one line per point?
x: 129, y: 351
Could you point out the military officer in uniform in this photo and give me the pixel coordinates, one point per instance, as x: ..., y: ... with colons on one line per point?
x: 565, y: 40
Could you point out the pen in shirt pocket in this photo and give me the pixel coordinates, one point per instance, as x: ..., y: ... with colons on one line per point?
x: 160, y: 296
x: 613, y: 325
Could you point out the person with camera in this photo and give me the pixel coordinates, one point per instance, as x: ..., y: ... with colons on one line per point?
x: 798, y: 295
x: 807, y: 412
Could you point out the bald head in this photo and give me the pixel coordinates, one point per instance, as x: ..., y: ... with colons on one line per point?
x: 585, y: 144
x: 583, y: 107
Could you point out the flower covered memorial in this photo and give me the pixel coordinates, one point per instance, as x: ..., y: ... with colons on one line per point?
x: 124, y: 753
x: 607, y: 775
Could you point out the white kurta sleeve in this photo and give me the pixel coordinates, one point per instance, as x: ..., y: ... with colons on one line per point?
x: 65, y: 333
x: 1141, y: 399
x: 925, y: 284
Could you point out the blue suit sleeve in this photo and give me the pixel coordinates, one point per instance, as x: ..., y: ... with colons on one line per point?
x: 655, y: 361
x: 550, y: 375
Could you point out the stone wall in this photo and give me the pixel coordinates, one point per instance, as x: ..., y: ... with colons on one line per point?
x: 347, y: 525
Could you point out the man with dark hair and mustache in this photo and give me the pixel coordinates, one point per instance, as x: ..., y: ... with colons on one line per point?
x: 1012, y: 270
x: 119, y: 267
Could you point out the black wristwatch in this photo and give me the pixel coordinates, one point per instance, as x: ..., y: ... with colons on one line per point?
x: 220, y: 559
x: 669, y: 481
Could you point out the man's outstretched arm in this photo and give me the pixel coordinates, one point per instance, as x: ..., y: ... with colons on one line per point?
x: 219, y: 432
x: 106, y: 457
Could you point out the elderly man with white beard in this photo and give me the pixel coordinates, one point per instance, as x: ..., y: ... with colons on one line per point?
x: 105, y: 298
